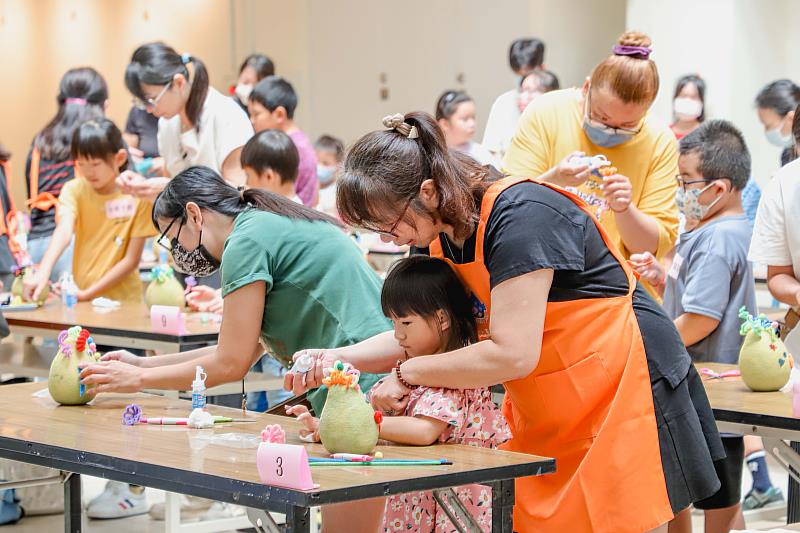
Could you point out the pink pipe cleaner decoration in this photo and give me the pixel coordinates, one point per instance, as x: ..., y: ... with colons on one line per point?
x: 274, y: 434
x: 66, y: 349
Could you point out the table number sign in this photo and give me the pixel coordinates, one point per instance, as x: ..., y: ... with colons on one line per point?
x: 167, y: 319
x: 280, y: 464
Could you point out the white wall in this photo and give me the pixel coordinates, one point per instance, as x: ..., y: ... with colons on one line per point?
x: 737, y: 46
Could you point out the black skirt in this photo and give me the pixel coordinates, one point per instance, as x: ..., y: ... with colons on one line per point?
x: 687, y: 432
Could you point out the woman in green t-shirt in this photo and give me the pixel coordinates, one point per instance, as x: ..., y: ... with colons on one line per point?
x: 290, y: 277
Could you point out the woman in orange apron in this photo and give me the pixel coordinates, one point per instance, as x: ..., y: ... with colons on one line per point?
x: 556, y: 306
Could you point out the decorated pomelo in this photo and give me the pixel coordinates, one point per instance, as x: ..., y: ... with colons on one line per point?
x: 348, y: 423
x: 75, y: 347
x: 21, y: 275
x: 164, y: 288
x: 763, y: 360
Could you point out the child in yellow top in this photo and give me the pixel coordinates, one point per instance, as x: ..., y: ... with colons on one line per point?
x: 110, y: 227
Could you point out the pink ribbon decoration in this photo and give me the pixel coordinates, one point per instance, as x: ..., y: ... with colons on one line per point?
x: 720, y: 375
x: 274, y: 434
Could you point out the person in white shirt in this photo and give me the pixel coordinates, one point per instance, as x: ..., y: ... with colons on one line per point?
x: 198, y: 126
x: 524, y: 56
x: 330, y: 155
x: 455, y: 114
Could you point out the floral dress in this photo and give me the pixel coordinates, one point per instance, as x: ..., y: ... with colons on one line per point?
x: 473, y: 419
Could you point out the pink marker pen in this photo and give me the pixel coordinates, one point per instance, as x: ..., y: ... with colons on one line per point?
x: 353, y: 457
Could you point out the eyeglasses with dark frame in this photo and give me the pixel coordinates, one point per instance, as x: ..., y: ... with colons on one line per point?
x: 163, y: 241
x: 683, y: 183
x: 390, y: 233
x: 606, y: 127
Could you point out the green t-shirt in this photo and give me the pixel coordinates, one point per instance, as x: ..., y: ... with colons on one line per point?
x: 321, y: 293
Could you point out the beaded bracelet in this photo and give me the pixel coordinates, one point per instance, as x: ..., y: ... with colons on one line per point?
x: 403, y: 382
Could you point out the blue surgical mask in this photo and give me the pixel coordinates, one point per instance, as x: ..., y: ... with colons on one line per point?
x: 325, y: 174
x: 602, y: 137
x: 776, y: 138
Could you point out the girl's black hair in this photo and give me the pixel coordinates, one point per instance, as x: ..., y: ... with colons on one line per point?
x: 700, y: 84
x: 157, y: 64
x: 82, y: 95
x: 781, y: 96
x: 448, y: 103
x: 208, y: 190
x: 261, y: 64
x: 546, y: 80
x: 422, y: 285
x: 99, y: 139
x: 272, y: 149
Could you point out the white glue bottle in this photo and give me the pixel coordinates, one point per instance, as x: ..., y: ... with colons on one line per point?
x: 199, y: 388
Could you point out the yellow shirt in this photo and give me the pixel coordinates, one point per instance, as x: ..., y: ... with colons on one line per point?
x: 104, y: 226
x: 552, y: 127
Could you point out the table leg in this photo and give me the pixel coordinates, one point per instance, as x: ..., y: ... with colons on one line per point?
x: 503, y: 506
x: 793, y: 494
x: 72, y: 504
x: 298, y: 519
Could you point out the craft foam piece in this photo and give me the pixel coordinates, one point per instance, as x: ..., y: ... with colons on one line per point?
x: 763, y: 360
x: 75, y: 348
x: 164, y: 289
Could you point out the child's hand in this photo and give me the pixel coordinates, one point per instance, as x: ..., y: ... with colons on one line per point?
x: 204, y: 299
x: 304, y: 417
x: 648, y: 268
x: 33, y: 286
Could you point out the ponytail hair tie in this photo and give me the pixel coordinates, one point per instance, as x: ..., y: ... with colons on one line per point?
x: 76, y: 101
x: 637, y: 52
x: 185, y: 58
x: 241, y: 189
x: 397, y: 123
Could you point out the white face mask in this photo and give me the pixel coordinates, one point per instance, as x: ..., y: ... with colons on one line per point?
x: 687, y: 108
x: 776, y: 138
x: 243, y: 91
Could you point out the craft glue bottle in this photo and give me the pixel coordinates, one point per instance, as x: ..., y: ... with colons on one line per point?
x: 70, y: 292
x: 199, y: 388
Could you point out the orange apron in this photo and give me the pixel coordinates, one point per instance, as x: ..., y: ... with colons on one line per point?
x: 44, y: 201
x: 8, y: 221
x: 588, y: 404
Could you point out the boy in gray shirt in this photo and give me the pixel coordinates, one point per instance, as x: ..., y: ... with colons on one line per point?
x: 710, y: 277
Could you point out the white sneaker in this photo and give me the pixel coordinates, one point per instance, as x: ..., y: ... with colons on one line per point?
x: 224, y: 510
x: 117, y: 501
x: 192, y: 509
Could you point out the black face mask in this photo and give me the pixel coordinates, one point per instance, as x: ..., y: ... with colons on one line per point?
x: 198, y: 262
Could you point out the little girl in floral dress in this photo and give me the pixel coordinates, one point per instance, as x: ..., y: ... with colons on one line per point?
x: 431, y: 314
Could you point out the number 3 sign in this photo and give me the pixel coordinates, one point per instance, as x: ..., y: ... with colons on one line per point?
x: 282, y: 465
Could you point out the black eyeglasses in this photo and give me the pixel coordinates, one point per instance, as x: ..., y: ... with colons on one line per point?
x: 390, y: 233
x: 683, y: 183
x: 163, y: 241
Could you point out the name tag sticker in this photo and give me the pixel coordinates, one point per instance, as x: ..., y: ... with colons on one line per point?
x: 675, y: 269
x: 120, y: 208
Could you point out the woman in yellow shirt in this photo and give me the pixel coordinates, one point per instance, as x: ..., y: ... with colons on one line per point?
x: 109, y: 227
x: 608, y: 116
